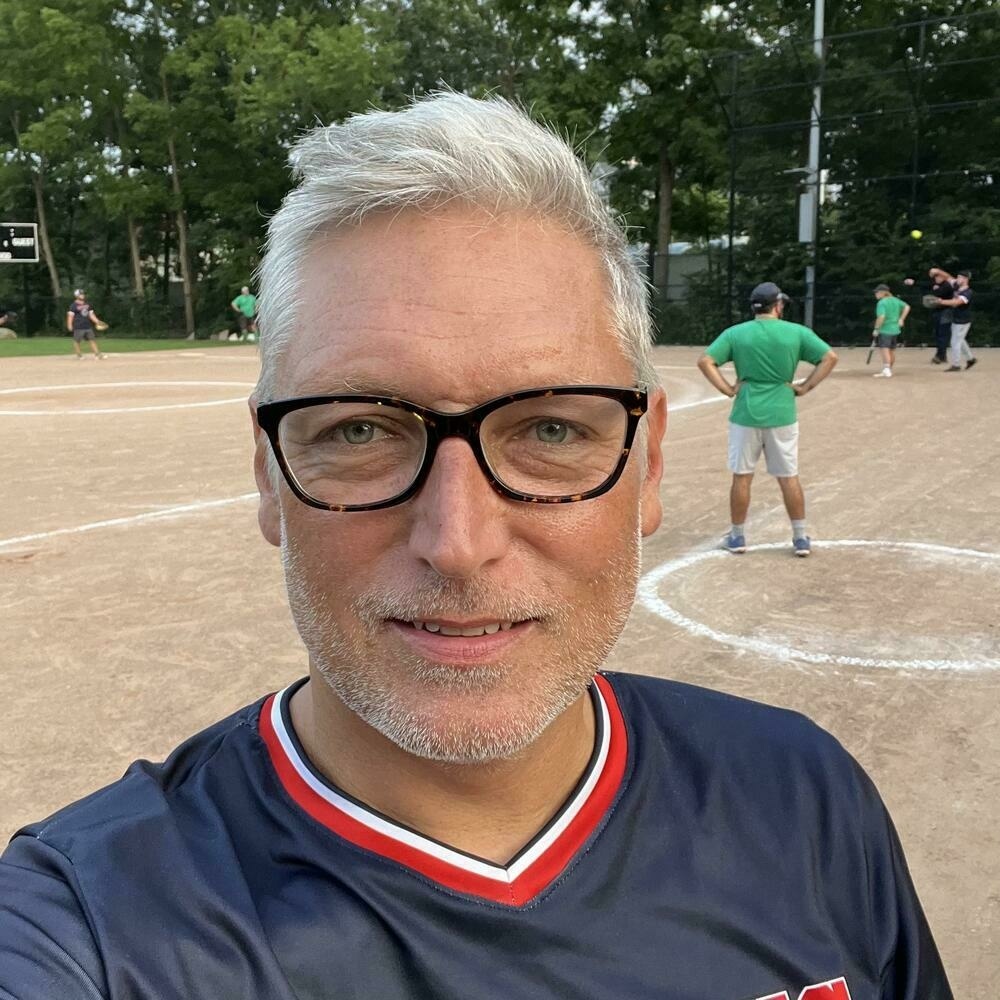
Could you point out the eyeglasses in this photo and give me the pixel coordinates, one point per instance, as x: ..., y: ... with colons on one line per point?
x: 358, y: 452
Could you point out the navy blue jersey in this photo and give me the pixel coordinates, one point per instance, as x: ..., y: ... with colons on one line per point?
x: 963, y: 313
x: 943, y: 289
x: 80, y: 311
x: 714, y: 849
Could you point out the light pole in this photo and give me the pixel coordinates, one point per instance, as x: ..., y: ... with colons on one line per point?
x: 809, y: 204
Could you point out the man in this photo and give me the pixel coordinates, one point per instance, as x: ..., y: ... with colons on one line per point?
x: 890, y: 315
x: 765, y: 352
x: 245, y: 306
x: 961, y: 319
x: 941, y: 288
x: 80, y: 321
x: 454, y: 803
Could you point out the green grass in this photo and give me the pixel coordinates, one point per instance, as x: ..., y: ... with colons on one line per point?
x: 25, y: 347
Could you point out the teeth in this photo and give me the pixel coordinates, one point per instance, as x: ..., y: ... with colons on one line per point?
x: 490, y: 629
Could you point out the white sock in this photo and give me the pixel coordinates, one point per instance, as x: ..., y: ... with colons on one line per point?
x: 798, y: 529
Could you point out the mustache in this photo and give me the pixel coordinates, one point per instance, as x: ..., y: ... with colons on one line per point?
x: 444, y: 598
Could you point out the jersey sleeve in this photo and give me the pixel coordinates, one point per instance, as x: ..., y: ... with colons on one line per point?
x: 904, y: 949
x: 812, y: 348
x: 880, y: 308
x: 47, y: 949
x: 721, y: 349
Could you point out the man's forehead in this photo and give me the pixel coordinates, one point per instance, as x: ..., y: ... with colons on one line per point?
x: 321, y: 381
x: 447, y: 307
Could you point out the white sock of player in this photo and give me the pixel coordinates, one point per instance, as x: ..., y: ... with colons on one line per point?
x: 798, y: 529
x: 737, y: 529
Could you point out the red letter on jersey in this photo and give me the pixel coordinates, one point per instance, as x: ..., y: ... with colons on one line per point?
x: 835, y: 989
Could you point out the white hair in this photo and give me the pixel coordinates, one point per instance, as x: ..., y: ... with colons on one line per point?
x: 445, y: 148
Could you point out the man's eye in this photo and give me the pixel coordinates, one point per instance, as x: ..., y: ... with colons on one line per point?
x: 357, y: 433
x: 552, y: 432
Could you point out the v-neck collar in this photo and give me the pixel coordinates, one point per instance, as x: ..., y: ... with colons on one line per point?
x: 534, y: 867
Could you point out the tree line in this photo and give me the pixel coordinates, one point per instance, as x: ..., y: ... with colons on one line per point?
x: 148, y: 138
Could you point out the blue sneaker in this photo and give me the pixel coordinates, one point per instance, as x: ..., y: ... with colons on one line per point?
x: 735, y: 544
x: 802, y: 546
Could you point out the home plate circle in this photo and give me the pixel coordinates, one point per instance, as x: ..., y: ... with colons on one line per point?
x: 873, y: 598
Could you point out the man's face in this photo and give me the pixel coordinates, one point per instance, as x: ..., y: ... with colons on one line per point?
x: 448, y: 310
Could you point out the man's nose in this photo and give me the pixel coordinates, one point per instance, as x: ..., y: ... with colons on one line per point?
x: 459, y: 523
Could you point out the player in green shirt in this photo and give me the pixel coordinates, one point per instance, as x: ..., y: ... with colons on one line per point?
x: 245, y: 306
x: 765, y: 352
x: 890, y: 315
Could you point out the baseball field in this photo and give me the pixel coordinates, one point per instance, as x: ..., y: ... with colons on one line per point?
x: 138, y: 603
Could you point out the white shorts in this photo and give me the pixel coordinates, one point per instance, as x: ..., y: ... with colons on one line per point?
x: 779, y: 444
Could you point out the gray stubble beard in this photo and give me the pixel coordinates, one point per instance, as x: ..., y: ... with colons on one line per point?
x: 347, y: 666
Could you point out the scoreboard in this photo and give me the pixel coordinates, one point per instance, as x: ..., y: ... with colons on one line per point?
x: 18, y: 242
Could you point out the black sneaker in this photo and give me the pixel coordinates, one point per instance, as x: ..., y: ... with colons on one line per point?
x: 937, y: 361
x: 970, y: 363
x: 953, y: 368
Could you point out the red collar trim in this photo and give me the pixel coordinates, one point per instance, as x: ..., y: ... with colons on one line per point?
x: 534, y: 868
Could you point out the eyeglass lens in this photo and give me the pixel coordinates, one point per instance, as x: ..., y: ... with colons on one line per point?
x: 348, y: 453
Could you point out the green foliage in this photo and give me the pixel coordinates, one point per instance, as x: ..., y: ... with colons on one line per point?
x: 117, y: 114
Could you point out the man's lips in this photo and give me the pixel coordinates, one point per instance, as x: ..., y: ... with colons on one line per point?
x: 468, y: 628
x: 461, y: 642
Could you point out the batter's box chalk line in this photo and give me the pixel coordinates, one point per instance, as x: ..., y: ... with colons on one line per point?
x: 649, y: 598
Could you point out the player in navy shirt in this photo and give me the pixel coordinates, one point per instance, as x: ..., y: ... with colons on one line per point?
x: 961, y: 321
x: 80, y: 321
x: 456, y: 803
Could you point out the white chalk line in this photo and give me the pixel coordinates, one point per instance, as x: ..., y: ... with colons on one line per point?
x: 674, y: 407
x: 114, y: 522
x: 119, y: 409
x: 184, y: 508
x: 647, y: 595
x: 114, y: 385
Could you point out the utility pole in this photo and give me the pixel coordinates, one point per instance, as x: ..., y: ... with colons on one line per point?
x: 809, y: 204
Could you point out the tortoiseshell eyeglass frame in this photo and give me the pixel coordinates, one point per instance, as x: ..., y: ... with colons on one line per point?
x: 465, y: 425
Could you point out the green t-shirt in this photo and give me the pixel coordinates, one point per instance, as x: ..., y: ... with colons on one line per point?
x: 765, y: 353
x: 247, y: 304
x: 891, y: 308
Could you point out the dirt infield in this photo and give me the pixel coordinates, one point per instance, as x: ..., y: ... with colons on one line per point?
x: 138, y: 602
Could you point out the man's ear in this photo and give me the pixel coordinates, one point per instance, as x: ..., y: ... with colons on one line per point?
x: 656, y: 428
x: 269, y: 509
